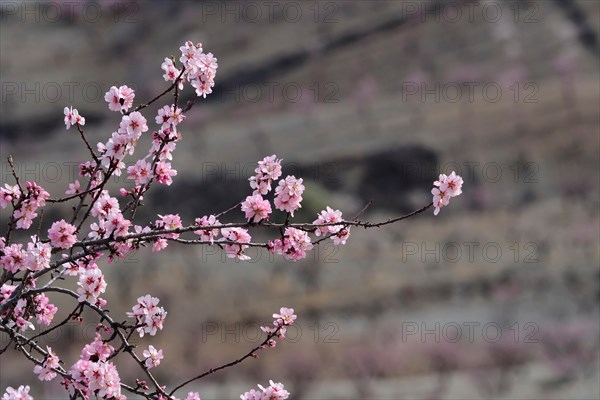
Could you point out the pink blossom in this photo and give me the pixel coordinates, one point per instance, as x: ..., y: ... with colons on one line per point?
x: 22, y: 393
x: 189, y: 53
x: 99, y: 230
x: 169, y: 116
x: 267, y: 171
x: 440, y: 199
x: 35, y: 198
x: 74, y: 187
x: 114, y: 150
x: 293, y: 246
x: 207, y: 234
x: 201, y: 68
x: 164, y: 173
x: 203, y: 84
x: 44, y: 310
x: 275, y: 391
x: 38, y: 255
x: 96, y: 378
x: 91, y: 285
x: 171, y: 72
x: 207, y: 63
x: 8, y: 194
x: 153, y: 357
x: 451, y: 184
x: 87, y: 168
x: 45, y: 372
x: 37, y: 194
x: 117, y: 224
x: 447, y: 187
x: 6, y: 291
x: 176, y: 116
x: 159, y: 244
x: 141, y: 172
x: 238, y: 235
x: 158, y: 143
x: 148, y: 315
x: 286, y: 316
x: 105, y: 205
x: 62, y: 234
x: 252, y: 394
x: 341, y: 236
x: 328, y: 216
x: 19, y: 319
x: 193, y: 396
x: 98, y: 350
x: 119, y: 99
x: 72, y: 117
x: 134, y: 125
x: 256, y: 208
x: 13, y: 259
x: 169, y: 222
x: 25, y: 215
x: 163, y: 117
x: 288, y: 194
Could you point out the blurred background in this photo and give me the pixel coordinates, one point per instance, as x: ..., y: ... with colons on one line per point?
x: 496, y: 297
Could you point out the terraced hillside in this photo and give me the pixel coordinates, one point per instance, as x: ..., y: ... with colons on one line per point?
x: 368, y: 101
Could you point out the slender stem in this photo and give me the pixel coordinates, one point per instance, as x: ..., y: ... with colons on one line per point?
x: 251, y: 353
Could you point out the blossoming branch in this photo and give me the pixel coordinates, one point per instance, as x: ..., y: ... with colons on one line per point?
x: 103, y: 227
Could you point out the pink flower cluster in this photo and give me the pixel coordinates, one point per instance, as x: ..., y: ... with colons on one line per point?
x: 119, y: 98
x: 169, y: 116
x: 200, y: 68
x: 288, y: 194
x: 93, y: 374
x: 164, y: 173
x: 74, y: 188
x: 44, y: 310
x: 190, y: 396
x: 163, y: 145
x: 167, y: 222
x: 91, y: 285
x: 448, y: 186
x: 141, y: 172
x: 72, y: 117
x: 27, y: 205
x: 208, y: 235
x: 8, y: 194
x: 46, y: 371
x: 110, y: 219
x: 62, y: 234
x: 268, y: 170
x: 275, y: 391
x: 22, y: 393
x: 13, y: 259
x: 123, y: 141
x: 5, y: 292
x: 293, y: 246
x: 148, y: 315
x: 20, y: 317
x: 238, y: 235
x: 339, y: 233
x: 256, y: 208
x: 35, y: 258
x: 285, y: 318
